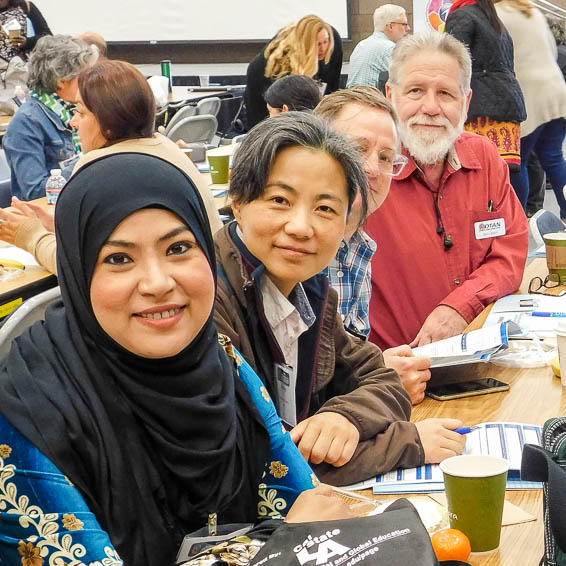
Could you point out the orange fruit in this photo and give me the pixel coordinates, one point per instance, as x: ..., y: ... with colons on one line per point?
x: 451, y: 544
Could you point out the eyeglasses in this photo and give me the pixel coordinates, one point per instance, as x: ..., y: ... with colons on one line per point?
x: 537, y: 283
x: 391, y: 163
x: 406, y: 26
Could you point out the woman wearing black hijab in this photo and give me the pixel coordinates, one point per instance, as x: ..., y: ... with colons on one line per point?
x: 124, y: 387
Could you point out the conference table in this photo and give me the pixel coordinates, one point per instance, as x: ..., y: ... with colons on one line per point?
x: 535, y: 395
x: 33, y: 280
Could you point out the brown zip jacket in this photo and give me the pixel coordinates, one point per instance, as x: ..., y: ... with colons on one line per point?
x: 348, y: 375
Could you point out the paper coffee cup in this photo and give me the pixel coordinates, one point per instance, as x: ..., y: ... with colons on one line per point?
x: 561, y: 343
x: 475, y: 492
x: 219, y: 160
x: 188, y: 152
x: 556, y: 254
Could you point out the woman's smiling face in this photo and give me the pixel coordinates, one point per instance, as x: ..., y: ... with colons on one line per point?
x: 152, y: 290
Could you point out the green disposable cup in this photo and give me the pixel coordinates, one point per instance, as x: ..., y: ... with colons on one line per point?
x: 219, y: 165
x: 556, y: 255
x: 475, y: 491
x: 188, y: 152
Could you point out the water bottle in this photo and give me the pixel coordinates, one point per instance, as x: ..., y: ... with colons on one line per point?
x: 54, y: 185
x: 20, y: 95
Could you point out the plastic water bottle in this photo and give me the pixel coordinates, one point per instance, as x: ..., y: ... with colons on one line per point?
x: 20, y: 94
x: 54, y: 185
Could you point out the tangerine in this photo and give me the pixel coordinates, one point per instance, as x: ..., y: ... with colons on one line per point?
x: 451, y: 544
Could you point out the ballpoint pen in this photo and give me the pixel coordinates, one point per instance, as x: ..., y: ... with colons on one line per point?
x: 466, y: 429
x: 549, y: 314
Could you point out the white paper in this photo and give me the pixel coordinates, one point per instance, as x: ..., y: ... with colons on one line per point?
x: 17, y: 254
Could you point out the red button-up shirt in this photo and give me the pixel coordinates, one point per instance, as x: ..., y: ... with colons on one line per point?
x: 412, y: 272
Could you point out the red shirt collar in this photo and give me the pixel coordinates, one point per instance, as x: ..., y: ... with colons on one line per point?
x: 462, y: 155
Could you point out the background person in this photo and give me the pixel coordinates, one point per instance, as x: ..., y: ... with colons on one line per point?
x: 40, y: 136
x: 132, y: 421
x: 38, y: 28
x: 115, y: 113
x: 372, y: 55
x: 306, y: 47
x: 446, y: 269
x: 293, y: 92
x: 544, y: 90
x: 368, y: 120
x: 93, y: 38
x: 293, y: 183
x: 12, y: 10
x: 497, y: 107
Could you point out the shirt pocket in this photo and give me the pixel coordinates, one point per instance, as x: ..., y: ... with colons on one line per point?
x: 58, y: 150
x: 479, y: 249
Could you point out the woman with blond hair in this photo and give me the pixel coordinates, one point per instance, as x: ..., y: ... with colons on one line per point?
x: 308, y: 47
x: 544, y: 91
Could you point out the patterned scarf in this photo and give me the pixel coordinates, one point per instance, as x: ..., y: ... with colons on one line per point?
x: 64, y: 110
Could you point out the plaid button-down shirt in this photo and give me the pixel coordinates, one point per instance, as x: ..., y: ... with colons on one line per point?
x: 350, y: 275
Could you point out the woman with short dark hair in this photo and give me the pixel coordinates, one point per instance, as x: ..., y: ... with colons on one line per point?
x: 293, y: 92
x: 293, y: 184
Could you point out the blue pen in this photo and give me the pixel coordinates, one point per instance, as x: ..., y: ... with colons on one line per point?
x: 549, y: 314
x: 466, y: 429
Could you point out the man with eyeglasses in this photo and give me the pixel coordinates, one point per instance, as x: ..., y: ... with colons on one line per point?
x: 372, y: 55
x: 367, y: 119
x: 453, y: 236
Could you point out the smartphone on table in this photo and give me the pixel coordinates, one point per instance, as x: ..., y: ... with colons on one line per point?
x: 466, y: 389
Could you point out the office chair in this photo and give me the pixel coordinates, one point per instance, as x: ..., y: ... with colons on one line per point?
x: 4, y: 167
x: 228, y: 118
x: 194, y: 129
x: 210, y: 105
x: 5, y: 193
x: 184, y: 112
x: 541, y: 223
x: 29, y: 312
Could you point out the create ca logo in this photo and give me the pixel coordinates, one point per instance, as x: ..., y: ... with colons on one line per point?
x: 323, y: 548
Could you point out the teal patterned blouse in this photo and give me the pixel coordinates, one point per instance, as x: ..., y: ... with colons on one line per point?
x: 45, y: 521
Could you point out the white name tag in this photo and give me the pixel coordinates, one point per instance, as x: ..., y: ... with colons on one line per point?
x: 490, y: 228
x: 286, y: 380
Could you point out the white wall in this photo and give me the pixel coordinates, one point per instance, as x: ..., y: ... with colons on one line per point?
x: 186, y: 20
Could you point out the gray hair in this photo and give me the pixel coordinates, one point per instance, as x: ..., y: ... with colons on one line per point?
x: 58, y: 58
x: 558, y: 29
x: 431, y: 41
x: 259, y: 149
x: 386, y: 14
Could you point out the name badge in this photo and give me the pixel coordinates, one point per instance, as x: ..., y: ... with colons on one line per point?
x: 490, y: 228
x: 286, y: 380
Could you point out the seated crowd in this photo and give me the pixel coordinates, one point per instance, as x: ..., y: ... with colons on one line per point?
x: 192, y: 370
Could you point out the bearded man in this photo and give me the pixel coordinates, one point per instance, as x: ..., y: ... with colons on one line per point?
x: 452, y: 235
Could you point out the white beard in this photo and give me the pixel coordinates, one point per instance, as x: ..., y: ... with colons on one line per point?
x: 428, y: 147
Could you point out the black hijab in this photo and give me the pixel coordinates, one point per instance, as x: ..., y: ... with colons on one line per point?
x: 154, y: 445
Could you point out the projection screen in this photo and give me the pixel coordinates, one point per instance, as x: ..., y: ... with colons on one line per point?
x: 144, y: 21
